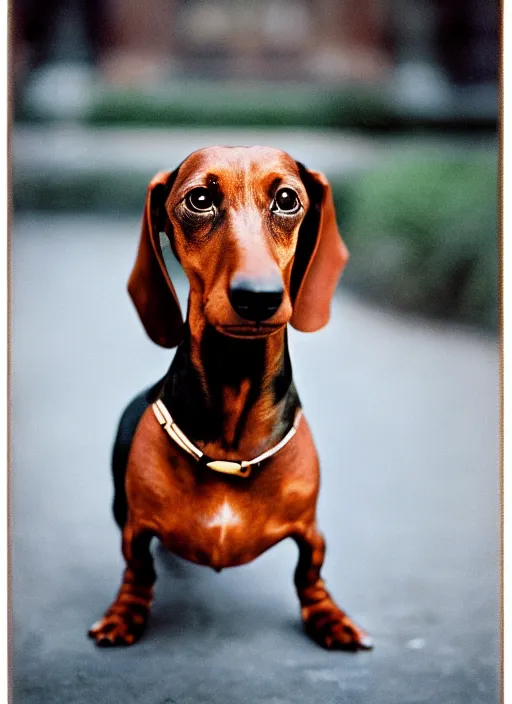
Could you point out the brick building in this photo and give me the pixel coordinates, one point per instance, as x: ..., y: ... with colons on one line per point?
x: 326, y: 40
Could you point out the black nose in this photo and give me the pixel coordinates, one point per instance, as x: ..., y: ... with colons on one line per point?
x: 256, y: 299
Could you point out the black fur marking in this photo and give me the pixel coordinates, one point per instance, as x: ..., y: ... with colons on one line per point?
x: 122, y: 445
x: 227, y: 362
x: 282, y: 382
x: 308, y: 232
x: 184, y: 396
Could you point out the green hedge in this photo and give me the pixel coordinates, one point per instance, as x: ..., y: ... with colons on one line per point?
x: 267, y: 105
x: 252, y: 106
x: 422, y: 234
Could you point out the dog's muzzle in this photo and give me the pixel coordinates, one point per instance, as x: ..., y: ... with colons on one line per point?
x: 256, y: 299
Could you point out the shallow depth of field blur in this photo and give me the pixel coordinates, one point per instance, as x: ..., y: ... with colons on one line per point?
x: 397, y: 103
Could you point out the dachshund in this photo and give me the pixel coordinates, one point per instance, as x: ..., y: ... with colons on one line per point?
x: 216, y: 459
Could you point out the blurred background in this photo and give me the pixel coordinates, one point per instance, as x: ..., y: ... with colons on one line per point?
x: 398, y: 104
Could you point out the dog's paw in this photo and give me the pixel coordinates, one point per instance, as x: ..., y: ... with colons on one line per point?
x: 333, y: 629
x: 118, y: 628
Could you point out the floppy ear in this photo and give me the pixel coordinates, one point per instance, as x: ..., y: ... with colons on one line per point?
x: 320, y: 257
x: 149, y: 284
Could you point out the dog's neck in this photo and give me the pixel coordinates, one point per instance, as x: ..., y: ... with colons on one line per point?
x: 234, y: 398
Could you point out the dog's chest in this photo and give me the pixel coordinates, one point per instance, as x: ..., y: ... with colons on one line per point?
x: 223, y: 531
x: 222, y: 524
x: 214, y: 520
x: 222, y: 520
x: 225, y: 535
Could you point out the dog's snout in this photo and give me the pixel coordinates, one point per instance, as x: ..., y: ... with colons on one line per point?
x: 256, y: 299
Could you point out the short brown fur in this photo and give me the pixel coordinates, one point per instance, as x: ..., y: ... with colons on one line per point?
x: 235, y: 374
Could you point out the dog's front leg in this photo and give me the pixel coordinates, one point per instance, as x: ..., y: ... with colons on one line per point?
x: 125, y: 620
x: 325, y: 622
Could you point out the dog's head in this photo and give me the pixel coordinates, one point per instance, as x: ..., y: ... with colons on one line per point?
x: 256, y: 234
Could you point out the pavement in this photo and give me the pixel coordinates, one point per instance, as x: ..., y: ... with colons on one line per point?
x: 405, y: 413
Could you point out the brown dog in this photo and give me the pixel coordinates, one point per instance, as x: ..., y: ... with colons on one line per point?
x: 234, y: 470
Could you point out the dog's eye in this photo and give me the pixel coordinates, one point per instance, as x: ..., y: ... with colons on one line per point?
x: 199, y: 200
x: 286, y: 201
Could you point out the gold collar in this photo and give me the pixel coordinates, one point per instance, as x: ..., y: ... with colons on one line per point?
x: 241, y: 469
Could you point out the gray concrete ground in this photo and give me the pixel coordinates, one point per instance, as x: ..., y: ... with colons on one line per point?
x: 405, y: 415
